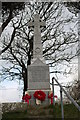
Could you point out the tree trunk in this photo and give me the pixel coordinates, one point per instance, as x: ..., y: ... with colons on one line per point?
x: 24, y: 74
x: 24, y: 70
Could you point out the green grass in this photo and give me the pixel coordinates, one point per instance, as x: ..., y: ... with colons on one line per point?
x: 69, y: 112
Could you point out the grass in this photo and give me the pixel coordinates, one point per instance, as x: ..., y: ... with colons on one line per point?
x: 69, y: 112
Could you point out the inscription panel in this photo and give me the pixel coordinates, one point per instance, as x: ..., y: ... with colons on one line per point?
x: 38, y: 77
x: 38, y: 73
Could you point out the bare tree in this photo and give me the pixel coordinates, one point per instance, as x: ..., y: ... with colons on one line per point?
x: 74, y: 89
x: 9, y: 11
x: 73, y: 7
x: 57, y: 42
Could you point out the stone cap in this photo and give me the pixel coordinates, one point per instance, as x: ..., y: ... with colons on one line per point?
x: 38, y: 62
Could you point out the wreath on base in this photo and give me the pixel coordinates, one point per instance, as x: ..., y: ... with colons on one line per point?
x: 26, y: 97
x: 51, y: 96
x: 40, y: 95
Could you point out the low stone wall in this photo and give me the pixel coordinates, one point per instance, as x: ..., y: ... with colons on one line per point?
x: 0, y: 111
x: 11, y: 107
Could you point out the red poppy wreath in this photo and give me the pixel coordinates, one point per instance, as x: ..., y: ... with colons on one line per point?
x: 40, y: 95
x: 26, y: 97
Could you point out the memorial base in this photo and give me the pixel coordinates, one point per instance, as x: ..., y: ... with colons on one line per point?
x: 34, y: 101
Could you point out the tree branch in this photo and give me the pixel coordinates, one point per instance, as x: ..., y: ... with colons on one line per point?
x: 6, y: 23
x: 12, y: 38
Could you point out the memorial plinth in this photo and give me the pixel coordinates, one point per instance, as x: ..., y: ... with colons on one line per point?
x: 38, y: 76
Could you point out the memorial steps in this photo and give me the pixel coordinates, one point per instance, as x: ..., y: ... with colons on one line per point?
x: 40, y: 112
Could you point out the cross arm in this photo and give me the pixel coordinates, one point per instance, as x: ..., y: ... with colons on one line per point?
x: 30, y: 24
x: 42, y: 24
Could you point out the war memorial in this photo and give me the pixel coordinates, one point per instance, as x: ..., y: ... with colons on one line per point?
x: 38, y: 71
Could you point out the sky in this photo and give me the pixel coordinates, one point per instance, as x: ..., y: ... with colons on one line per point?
x: 11, y: 91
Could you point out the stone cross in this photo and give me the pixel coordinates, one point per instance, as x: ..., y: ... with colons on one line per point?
x: 37, y: 45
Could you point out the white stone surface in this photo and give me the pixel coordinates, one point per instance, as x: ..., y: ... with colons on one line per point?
x: 38, y: 75
x: 38, y: 71
x: 37, y: 46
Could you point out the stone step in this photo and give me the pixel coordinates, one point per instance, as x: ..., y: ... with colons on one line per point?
x: 32, y: 118
x: 40, y: 117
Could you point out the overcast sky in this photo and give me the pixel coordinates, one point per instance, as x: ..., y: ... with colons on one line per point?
x: 11, y: 91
